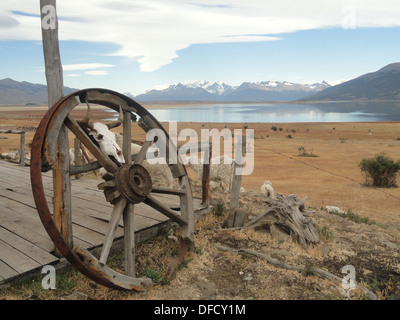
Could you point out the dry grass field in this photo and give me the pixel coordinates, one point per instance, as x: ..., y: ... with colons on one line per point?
x: 331, y: 177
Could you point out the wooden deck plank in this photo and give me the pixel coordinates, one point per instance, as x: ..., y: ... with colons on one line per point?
x: 18, y: 261
x: 28, y: 224
x: 6, y: 272
x: 30, y: 234
x: 34, y: 252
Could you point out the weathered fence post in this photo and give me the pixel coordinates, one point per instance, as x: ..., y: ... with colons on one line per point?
x: 55, y: 89
x: 240, y: 149
x: 22, y: 149
x: 206, y: 176
x: 77, y: 155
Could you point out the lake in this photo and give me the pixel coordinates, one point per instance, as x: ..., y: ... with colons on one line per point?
x: 282, y: 112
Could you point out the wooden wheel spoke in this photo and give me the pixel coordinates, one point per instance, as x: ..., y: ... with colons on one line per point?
x: 155, y: 204
x: 105, y: 161
x: 129, y: 240
x: 141, y: 156
x: 112, y: 225
x: 84, y: 168
x: 126, y: 143
x: 166, y: 190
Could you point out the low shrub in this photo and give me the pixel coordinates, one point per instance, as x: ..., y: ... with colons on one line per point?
x: 380, y: 171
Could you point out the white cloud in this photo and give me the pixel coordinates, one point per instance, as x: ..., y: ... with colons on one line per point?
x: 85, y: 66
x: 96, y: 73
x: 336, y: 82
x: 154, y: 31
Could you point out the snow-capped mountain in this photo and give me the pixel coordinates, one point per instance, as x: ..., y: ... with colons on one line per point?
x: 188, y: 90
x: 217, y: 87
x: 220, y: 91
x: 275, y: 91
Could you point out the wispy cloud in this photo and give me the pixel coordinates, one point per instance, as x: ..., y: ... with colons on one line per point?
x: 96, y: 73
x: 85, y: 66
x: 154, y: 31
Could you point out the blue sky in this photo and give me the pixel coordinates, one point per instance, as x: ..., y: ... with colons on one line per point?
x: 135, y: 46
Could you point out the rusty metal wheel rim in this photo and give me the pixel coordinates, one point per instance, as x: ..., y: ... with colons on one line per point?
x: 81, y: 259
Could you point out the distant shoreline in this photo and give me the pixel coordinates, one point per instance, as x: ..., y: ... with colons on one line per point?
x: 185, y: 104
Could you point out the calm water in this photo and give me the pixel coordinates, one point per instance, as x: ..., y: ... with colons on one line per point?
x: 254, y: 112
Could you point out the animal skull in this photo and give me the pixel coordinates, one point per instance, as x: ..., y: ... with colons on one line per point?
x: 103, y: 136
x: 106, y: 140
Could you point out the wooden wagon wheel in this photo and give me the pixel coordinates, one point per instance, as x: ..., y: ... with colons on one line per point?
x: 125, y: 184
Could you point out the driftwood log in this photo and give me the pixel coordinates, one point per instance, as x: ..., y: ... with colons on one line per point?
x: 289, y: 215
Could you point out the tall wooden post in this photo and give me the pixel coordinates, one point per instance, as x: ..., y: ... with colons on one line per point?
x: 55, y: 88
x: 22, y: 149
x: 77, y: 155
x: 240, y: 149
x: 205, y: 199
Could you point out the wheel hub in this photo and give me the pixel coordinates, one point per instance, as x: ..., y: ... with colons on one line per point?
x: 134, y: 182
x: 130, y: 181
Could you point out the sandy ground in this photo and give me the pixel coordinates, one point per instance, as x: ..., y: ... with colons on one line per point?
x: 332, y: 178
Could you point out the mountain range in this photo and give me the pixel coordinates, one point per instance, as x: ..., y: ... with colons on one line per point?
x: 383, y: 84
x: 15, y: 92
x: 220, y: 91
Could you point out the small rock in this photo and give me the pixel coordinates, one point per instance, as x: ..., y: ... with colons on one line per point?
x: 344, y: 293
x: 389, y: 244
x: 279, y: 234
x: 333, y: 209
x: 202, y: 279
x: 325, y: 250
x: 207, y: 286
x: 248, y: 278
x: 76, y: 295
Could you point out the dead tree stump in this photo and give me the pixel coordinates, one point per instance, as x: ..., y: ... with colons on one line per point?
x: 289, y: 215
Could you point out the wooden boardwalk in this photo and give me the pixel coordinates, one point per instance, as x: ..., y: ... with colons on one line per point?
x: 25, y: 246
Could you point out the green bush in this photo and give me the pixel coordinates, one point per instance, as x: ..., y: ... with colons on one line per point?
x: 380, y: 171
x: 303, y: 152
